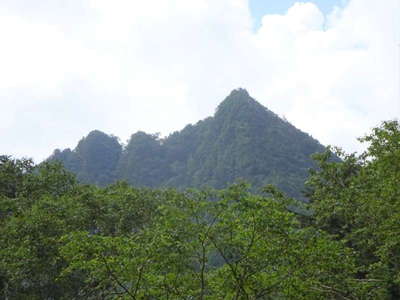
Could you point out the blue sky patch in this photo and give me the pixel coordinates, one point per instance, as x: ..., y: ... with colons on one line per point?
x: 259, y: 8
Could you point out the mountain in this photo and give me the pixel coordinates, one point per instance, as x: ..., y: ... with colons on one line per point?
x: 94, y: 159
x: 243, y: 140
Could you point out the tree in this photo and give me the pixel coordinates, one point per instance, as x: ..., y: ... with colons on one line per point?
x: 31, y: 220
x: 12, y: 174
x: 357, y: 200
x: 215, y: 245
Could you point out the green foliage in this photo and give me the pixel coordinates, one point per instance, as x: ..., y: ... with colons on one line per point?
x: 63, y: 240
x: 94, y: 160
x: 261, y: 250
x: 142, y: 162
x: 12, y: 173
x: 358, y: 201
x: 243, y: 140
x: 47, y: 204
x: 31, y: 223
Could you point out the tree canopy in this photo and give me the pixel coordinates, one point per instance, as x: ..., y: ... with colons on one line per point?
x: 64, y: 240
x: 357, y: 201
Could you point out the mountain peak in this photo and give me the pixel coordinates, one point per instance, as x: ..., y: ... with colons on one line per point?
x: 239, y: 95
x: 239, y: 92
x: 239, y: 103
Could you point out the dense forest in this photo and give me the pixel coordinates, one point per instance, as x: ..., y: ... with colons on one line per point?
x: 243, y: 140
x: 61, y: 239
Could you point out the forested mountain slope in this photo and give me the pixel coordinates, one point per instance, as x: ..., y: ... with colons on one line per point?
x: 243, y: 140
x: 94, y: 159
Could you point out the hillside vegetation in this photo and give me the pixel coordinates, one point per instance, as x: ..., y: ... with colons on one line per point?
x: 243, y: 140
x: 64, y: 240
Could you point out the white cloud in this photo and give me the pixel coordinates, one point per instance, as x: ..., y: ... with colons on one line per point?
x: 126, y: 65
x: 341, y: 75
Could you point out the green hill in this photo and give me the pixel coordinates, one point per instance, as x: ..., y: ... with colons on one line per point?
x: 243, y: 140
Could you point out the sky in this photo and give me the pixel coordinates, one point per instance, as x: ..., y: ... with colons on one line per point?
x: 259, y: 8
x: 331, y: 68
